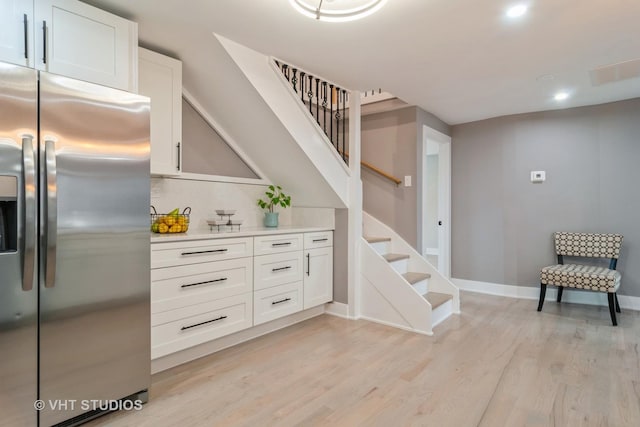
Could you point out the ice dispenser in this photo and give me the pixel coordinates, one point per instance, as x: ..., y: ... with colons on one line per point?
x: 8, y: 213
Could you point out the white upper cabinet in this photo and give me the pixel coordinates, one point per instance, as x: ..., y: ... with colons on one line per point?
x: 70, y: 38
x: 160, y: 78
x: 80, y: 41
x: 16, y: 32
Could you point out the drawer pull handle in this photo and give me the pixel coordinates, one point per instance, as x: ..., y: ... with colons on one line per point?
x: 319, y: 240
x: 184, y: 328
x: 204, y: 252
x: 281, y: 301
x: 204, y: 283
x: 281, y: 268
x: 281, y: 244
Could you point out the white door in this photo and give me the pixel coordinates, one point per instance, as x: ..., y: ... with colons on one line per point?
x: 436, y: 200
x: 16, y: 32
x: 160, y: 78
x: 83, y: 42
x: 318, y: 277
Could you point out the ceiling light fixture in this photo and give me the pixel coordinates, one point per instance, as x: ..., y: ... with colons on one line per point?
x: 517, y: 11
x: 561, y: 96
x: 337, y: 10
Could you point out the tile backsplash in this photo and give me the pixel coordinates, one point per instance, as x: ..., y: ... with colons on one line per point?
x: 204, y: 197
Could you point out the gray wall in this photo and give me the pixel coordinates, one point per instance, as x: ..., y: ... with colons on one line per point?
x: 503, y: 224
x: 340, y: 257
x: 392, y: 141
x: 388, y: 142
x: 205, y: 152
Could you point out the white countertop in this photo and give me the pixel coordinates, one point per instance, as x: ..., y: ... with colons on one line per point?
x: 204, y: 233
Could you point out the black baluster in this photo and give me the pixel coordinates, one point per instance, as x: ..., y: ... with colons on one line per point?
x: 337, y: 119
x: 331, y: 113
x: 318, y: 101
x: 324, y: 107
x: 344, y: 123
x: 310, y: 93
x: 302, y: 74
x: 294, y: 80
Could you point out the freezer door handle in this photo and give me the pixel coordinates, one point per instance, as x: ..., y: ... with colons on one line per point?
x: 51, y: 208
x: 28, y: 236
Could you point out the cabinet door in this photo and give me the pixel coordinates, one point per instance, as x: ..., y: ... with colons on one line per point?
x: 80, y: 41
x: 16, y: 32
x: 160, y: 78
x: 318, y: 277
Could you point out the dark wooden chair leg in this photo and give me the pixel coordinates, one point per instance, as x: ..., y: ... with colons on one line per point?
x: 560, y: 289
x: 617, y: 305
x: 612, y: 309
x: 543, y: 291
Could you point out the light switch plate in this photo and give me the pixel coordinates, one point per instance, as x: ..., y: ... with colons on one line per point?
x: 407, y: 181
x: 538, y: 176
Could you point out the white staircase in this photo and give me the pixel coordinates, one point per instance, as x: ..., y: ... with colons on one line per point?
x: 399, y: 286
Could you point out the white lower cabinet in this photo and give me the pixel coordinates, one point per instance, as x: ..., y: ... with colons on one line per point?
x: 202, y: 290
x: 185, y: 327
x: 318, y: 277
x: 278, y: 301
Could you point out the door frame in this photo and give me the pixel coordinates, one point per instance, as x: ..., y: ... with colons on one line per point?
x: 444, y: 196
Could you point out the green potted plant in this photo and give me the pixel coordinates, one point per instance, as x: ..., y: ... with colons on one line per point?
x: 275, y: 197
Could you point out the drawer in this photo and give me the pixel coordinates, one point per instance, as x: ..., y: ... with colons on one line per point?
x: 175, y: 287
x: 276, y: 269
x: 263, y: 245
x: 182, y: 253
x: 182, y: 328
x: 321, y: 239
x: 276, y: 302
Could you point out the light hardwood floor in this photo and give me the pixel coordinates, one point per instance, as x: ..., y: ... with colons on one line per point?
x: 500, y: 363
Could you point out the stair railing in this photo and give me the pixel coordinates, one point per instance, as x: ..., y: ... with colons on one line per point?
x: 322, y: 98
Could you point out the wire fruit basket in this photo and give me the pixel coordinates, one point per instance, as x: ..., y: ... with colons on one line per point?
x: 173, y: 222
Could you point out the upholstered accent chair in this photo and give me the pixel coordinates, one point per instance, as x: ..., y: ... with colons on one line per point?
x: 588, y: 277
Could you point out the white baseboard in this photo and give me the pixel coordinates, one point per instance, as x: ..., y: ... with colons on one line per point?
x: 394, y: 325
x: 337, y: 309
x: 528, y: 292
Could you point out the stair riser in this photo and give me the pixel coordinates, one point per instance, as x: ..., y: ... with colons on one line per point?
x: 381, y: 247
x: 422, y: 286
x: 442, y: 312
x: 401, y: 266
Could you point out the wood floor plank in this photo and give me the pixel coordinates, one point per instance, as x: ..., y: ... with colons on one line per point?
x: 498, y: 363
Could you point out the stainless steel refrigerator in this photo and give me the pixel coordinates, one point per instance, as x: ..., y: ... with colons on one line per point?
x: 74, y: 248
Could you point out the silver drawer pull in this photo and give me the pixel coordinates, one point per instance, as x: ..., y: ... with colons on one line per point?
x: 204, y: 252
x: 319, y: 240
x: 281, y: 301
x: 281, y: 244
x: 281, y: 268
x: 184, y: 328
x: 204, y: 283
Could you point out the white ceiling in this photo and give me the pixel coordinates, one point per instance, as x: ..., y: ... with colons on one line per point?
x: 460, y: 60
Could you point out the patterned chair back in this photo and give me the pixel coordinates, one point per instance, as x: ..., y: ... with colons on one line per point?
x: 590, y: 245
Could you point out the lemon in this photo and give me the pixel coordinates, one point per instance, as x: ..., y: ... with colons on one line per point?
x: 163, y: 228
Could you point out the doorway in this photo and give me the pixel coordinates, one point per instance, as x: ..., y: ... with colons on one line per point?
x: 436, y: 200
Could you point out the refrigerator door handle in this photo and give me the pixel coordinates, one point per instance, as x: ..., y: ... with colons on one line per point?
x: 28, y: 236
x: 51, y: 208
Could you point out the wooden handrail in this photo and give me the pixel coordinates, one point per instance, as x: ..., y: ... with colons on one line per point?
x: 376, y: 170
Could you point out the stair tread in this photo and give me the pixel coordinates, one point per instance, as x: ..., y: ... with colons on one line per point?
x: 414, y: 277
x: 436, y: 299
x: 371, y: 239
x: 395, y: 257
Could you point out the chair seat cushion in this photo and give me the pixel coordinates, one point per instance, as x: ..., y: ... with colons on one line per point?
x: 581, y: 277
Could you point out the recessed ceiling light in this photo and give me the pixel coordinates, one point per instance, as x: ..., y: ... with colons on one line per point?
x: 561, y: 96
x: 517, y: 11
